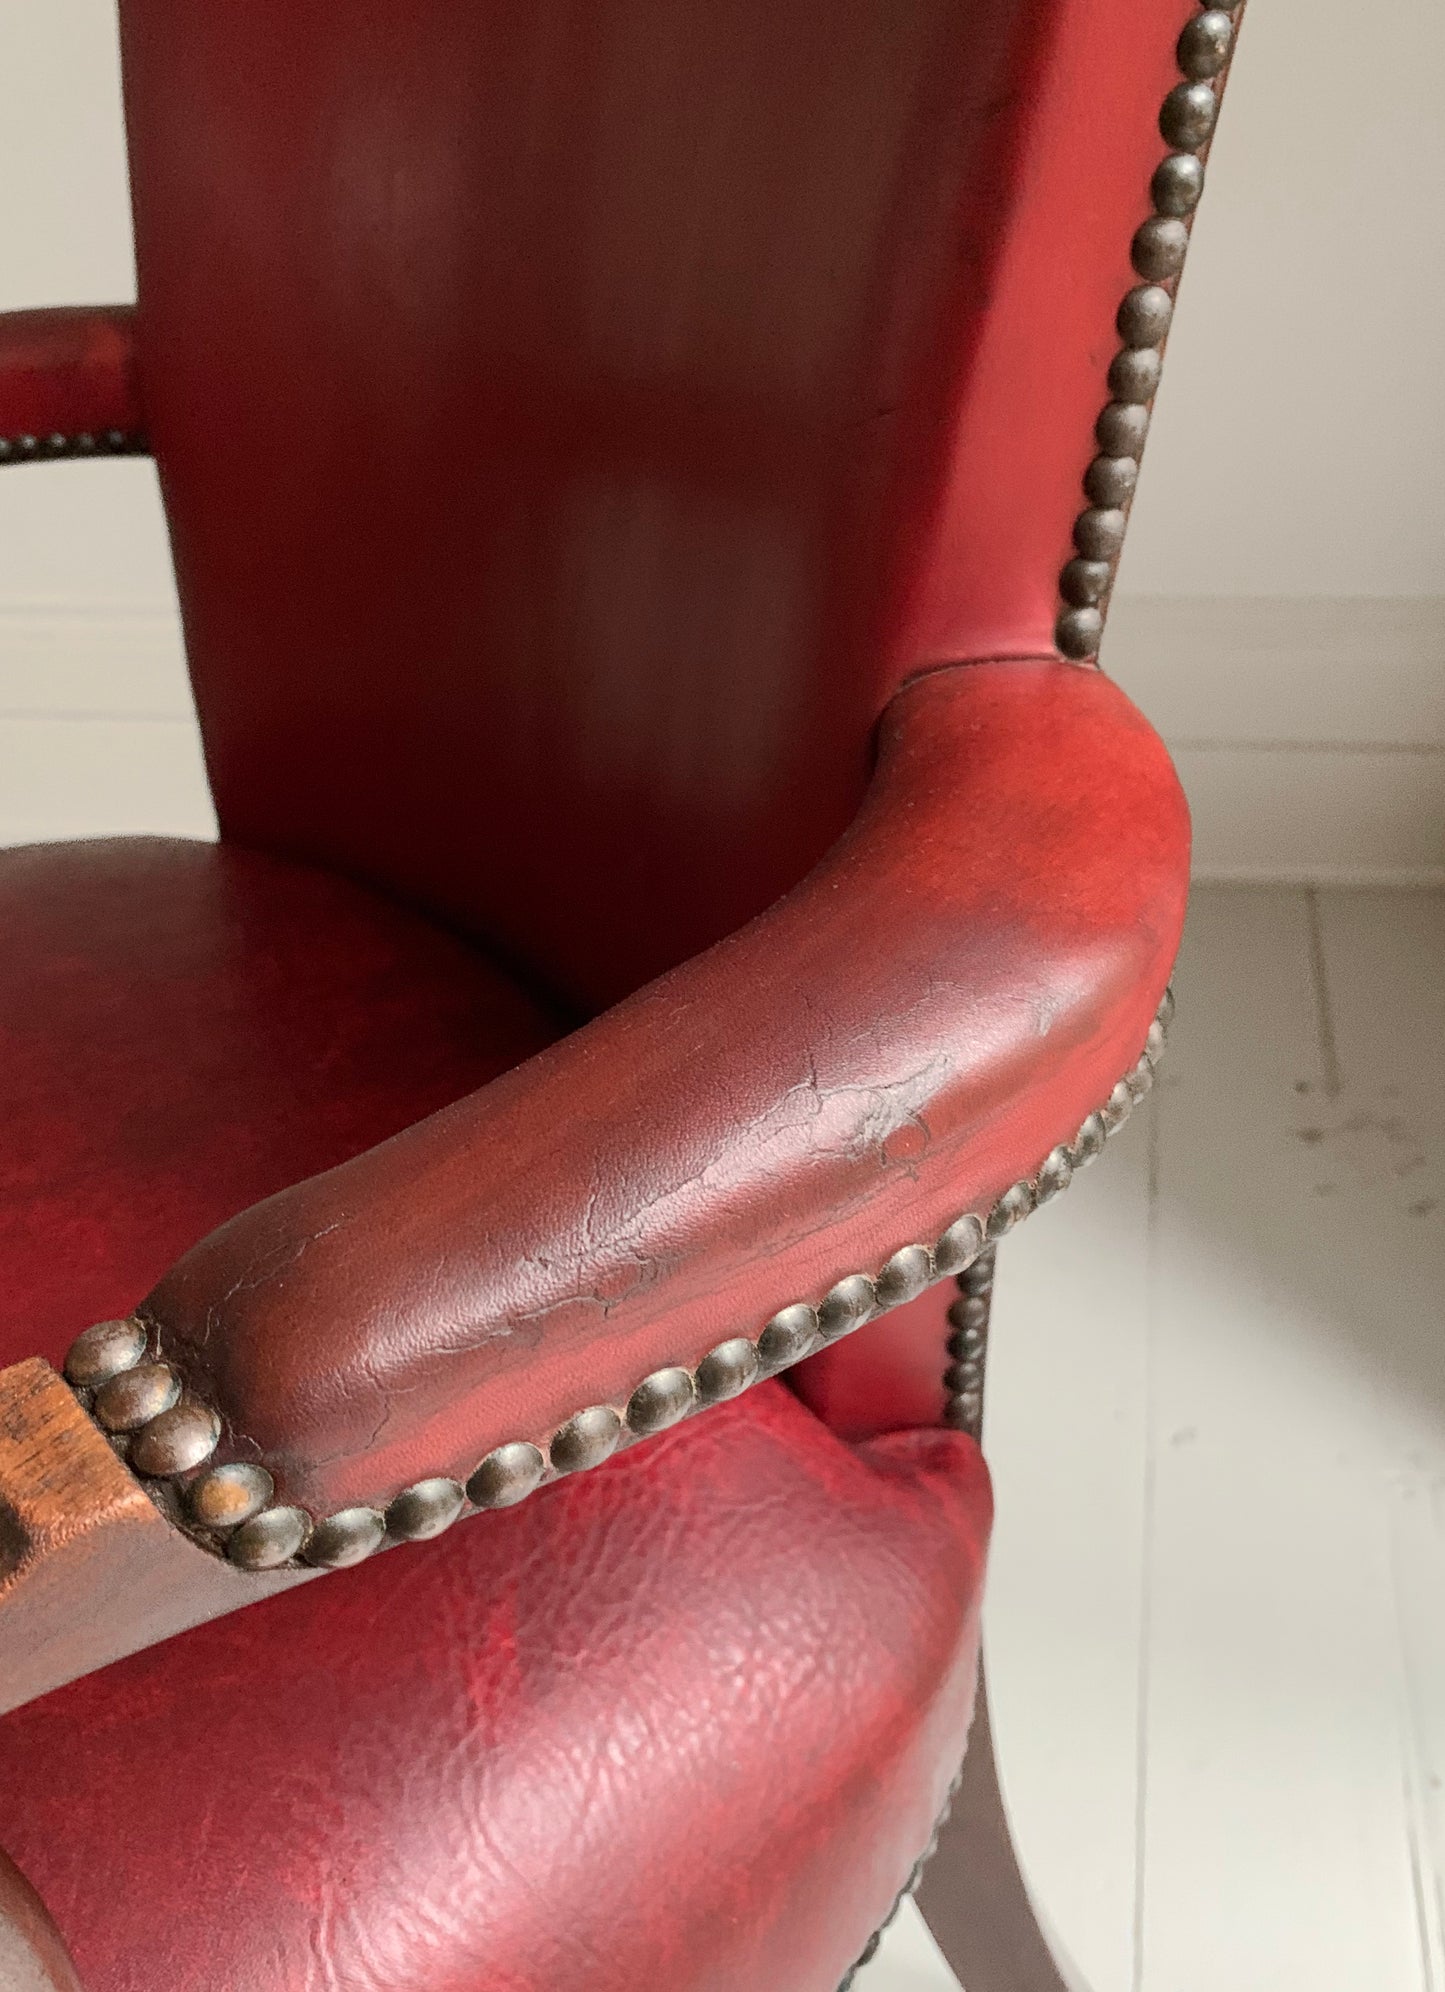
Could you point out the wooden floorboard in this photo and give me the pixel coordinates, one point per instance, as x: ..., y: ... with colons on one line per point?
x: 1217, y: 1425
x: 1276, y: 1852
x: 1066, y: 1427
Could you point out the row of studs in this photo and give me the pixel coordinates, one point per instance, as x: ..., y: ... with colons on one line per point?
x: 968, y: 1347
x: 45, y: 449
x: 168, y: 1434
x: 1186, y: 123
x: 910, y: 1887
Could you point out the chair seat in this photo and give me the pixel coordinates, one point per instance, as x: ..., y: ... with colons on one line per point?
x: 684, y: 1721
x: 186, y: 1029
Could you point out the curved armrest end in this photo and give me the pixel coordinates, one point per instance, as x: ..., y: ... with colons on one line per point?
x: 68, y: 382
x: 937, y: 1008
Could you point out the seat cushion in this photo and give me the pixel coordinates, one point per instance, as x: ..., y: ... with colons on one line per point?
x: 185, y: 1029
x: 686, y: 1720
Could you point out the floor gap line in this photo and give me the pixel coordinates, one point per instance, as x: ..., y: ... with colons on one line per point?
x: 1146, y: 1562
x: 1324, y: 1011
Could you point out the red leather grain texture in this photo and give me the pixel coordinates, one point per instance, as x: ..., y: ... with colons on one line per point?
x: 69, y: 370
x: 940, y: 1003
x: 683, y: 1722
x: 185, y: 1029
x: 1021, y: 435
x: 576, y: 418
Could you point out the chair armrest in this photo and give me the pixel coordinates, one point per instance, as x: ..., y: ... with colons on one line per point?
x: 68, y: 383
x: 932, y: 1013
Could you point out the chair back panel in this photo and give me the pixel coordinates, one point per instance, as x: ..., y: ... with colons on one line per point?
x: 575, y: 416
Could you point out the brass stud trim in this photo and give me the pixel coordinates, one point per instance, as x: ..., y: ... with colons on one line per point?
x: 909, y: 1888
x: 176, y: 1441
x: 506, y: 1476
x: 967, y: 1346
x: 587, y: 1438
x: 660, y: 1400
x: 789, y: 1336
x: 426, y: 1509
x: 345, y: 1538
x: 727, y: 1370
x: 131, y: 1400
x: 232, y: 1507
x: 847, y: 1306
x: 269, y: 1540
x: 905, y: 1276
x: 1187, y: 119
x: 81, y: 443
x: 229, y: 1495
x: 104, y: 1351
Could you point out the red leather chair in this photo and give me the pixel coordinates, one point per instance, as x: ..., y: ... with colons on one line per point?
x: 685, y: 892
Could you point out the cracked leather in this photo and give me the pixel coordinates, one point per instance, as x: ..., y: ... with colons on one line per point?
x: 685, y: 1720
x: 575, y: 423
x: 948, y: 994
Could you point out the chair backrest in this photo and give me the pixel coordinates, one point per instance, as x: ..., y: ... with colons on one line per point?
x: 575, y: 416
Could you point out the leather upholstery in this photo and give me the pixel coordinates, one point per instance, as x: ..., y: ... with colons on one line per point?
x: 69, y: 371
x: 686, y: 1720
x: 576, y: 419
x: 885, y: 1377
x: 184, y: 1030
x: 946, y: 998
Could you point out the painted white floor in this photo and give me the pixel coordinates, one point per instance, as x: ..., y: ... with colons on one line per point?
x: 1217, y: 1423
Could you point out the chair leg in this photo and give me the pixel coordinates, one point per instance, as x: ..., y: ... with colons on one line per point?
x: 973, y: 1894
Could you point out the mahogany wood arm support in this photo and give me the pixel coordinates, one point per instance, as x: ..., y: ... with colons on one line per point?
x: 948, y: 995
x: 68, y: 383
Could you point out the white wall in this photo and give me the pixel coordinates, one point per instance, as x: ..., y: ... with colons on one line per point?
x: 96, y: 731
x: 1281, y: 605
x: 88, y: 537
x: 1281, y: 609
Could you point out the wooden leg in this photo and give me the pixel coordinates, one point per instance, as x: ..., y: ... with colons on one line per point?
x: 33, y: 1957
x: 90, y: 1569
x: 973, y: 1893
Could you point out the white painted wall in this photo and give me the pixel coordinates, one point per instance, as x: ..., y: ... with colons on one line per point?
x: 92, y: 537
x: 1281, y: 608
x: 1281, y: 603
x: 96, y: 731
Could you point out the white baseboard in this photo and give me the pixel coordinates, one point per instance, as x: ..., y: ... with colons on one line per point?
x: 1310, y: 735
x: 70, y: 662
x: 1278, y: 671
x: 1322, y: 816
